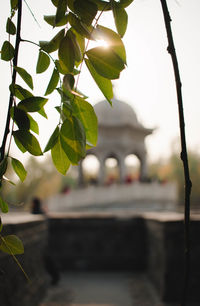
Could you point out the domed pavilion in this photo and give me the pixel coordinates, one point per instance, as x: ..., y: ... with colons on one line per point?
x: 119, y: 135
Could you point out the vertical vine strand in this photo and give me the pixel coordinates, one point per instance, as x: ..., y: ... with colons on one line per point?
x: 183, y: 155
x: 15, y: 60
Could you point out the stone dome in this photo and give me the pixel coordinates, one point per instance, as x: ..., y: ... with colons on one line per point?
x: 119, y: 114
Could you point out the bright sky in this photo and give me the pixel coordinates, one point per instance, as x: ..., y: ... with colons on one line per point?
x: 148, y: 82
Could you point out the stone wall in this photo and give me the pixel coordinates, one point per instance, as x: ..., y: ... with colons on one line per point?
x: 15, y: 290
x: 136, y: 197
x: 166, y: 256
x: 97, y: 242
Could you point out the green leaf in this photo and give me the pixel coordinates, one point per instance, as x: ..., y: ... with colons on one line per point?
x: 80, y: 40
x: 7, y: 51
x: 25, y: 76
x: 28, y: 141
x: 114, y: 41
x: 33, y: 125
x: 51, y: 20
x: 19, y: 168
x: 106, y: 62
x: 43, y: 62
x: 20, y: 146
x: 3, y: 206
x: 73, y: 139
x: 12, y: 245
x: 20, y: 92
x: 32, y: 104
x: 125, y: 3
x: 42, y: 113
x: 68, y: 81
x: 86, y: 10
x: 86, y: 114
x: 53, y: 82
x: 10, y: 27
x: 3, y: 166
x: 55, y: 2
x: 14, y: 4
x: 120, y: 17
x: 20, y: 117
x: 80, y: 27
x: 52, y: 140
x: 61, y: 9
x: 1, y: 225
x: 102, y: 5
x: 77, y: 50
x: 53, y: 44
x: 104, y: 84
x: 59, y: 157
x: 66, y: 53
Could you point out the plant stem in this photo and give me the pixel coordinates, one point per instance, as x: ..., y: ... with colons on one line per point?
x: 183, y: 155
x: 15, y: 60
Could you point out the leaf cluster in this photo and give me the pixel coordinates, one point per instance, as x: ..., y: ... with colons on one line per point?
x: 76, y: 130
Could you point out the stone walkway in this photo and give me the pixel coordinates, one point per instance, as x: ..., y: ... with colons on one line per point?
x: 101, y: 289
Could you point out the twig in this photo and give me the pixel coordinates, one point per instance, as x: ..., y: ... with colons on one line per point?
x: 183, y: 155
x: 15, y: 60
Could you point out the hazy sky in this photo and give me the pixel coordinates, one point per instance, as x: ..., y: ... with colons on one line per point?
x: 148, y: 82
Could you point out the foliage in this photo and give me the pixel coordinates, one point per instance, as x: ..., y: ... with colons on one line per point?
x: 68, y: 50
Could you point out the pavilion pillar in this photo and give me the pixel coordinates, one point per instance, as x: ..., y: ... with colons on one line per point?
x: 80, y: 174
x: 101, y: 175
x: 122, y: 170
x: 143, y: 167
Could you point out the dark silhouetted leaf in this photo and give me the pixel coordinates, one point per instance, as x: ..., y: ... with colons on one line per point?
x: 43, y: 62
x: 7, y: 51
x: 10, y: 27
x: 25, y: 76
x: 66, y: 53
x: 33, y: 125
x: 61, y: 9
x: 104, y: 84
x: 20, y: 92
x: 20, y: 117
x: 80, y: 27
x: 19, y: 168
x: 53, y: 82
x: 52, y: 140
x: 28, y: 141
x: 32, y: 104
x: 68, y: 81
x: 14, y: 4
x: 42, y: 113
x: 51, y: 20
x: 3, y: 166
x: 77, y: 50
x: 86, y: 10
x: 53, y: 44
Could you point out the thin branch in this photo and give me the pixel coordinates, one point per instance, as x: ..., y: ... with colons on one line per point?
x: 183, y: 155
x: 15, y: 60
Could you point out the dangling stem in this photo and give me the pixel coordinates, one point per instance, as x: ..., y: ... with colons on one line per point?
x: 15, y: 60
x: 183, y: 155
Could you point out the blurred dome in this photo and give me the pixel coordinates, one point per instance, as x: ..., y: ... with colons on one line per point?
x: 119, y: 114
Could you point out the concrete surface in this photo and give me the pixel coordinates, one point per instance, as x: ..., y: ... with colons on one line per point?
x: 101, y: 289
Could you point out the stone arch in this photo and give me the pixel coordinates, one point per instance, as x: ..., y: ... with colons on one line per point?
x: 112, y: 171
x: 133, y: 165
